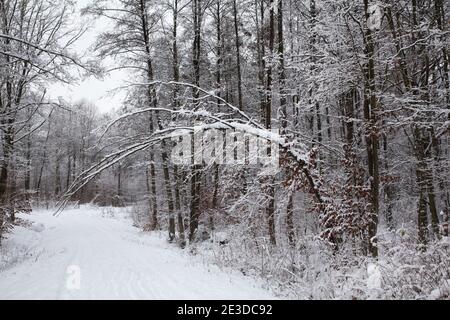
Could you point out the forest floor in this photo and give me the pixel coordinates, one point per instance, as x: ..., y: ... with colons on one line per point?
x: 91, y: 253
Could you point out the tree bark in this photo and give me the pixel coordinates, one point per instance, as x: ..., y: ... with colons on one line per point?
x: 196, y: 174
x: 372, y: 136
x: 154, y: 101
x: 176, y: 78
x: 269, y: 181
x: 238, y: 55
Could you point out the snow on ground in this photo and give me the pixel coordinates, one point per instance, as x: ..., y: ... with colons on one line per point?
x: 88, y: 253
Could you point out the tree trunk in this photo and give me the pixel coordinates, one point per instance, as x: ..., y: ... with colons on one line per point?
x: 196, y: 175
x: 284, y: 117
x: 57, y: 178
x: 154, y: 101
x: 215, y: 201
x: 69, y: 169
x: 388, y: 188
x: 372, y: 139
x: 176, y: 78
x: 238, y: 55
x: 153, y: 196
x: 269, y: 182
x: 28, y: 164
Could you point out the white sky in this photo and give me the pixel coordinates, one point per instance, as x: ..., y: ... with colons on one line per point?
x: 101, y: 92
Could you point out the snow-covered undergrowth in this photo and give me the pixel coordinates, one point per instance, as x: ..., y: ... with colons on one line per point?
x: 312, y: 270
x: 118, y: 261
x: 19, y: 247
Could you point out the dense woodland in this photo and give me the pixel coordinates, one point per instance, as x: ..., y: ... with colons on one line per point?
x: 359, y: 91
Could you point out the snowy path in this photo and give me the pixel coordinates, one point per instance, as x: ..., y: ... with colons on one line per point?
x: 115, y: 260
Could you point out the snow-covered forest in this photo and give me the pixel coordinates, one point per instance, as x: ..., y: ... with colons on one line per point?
x: 301, y: 143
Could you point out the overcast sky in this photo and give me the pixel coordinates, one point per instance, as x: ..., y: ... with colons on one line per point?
x: 101, y: 92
